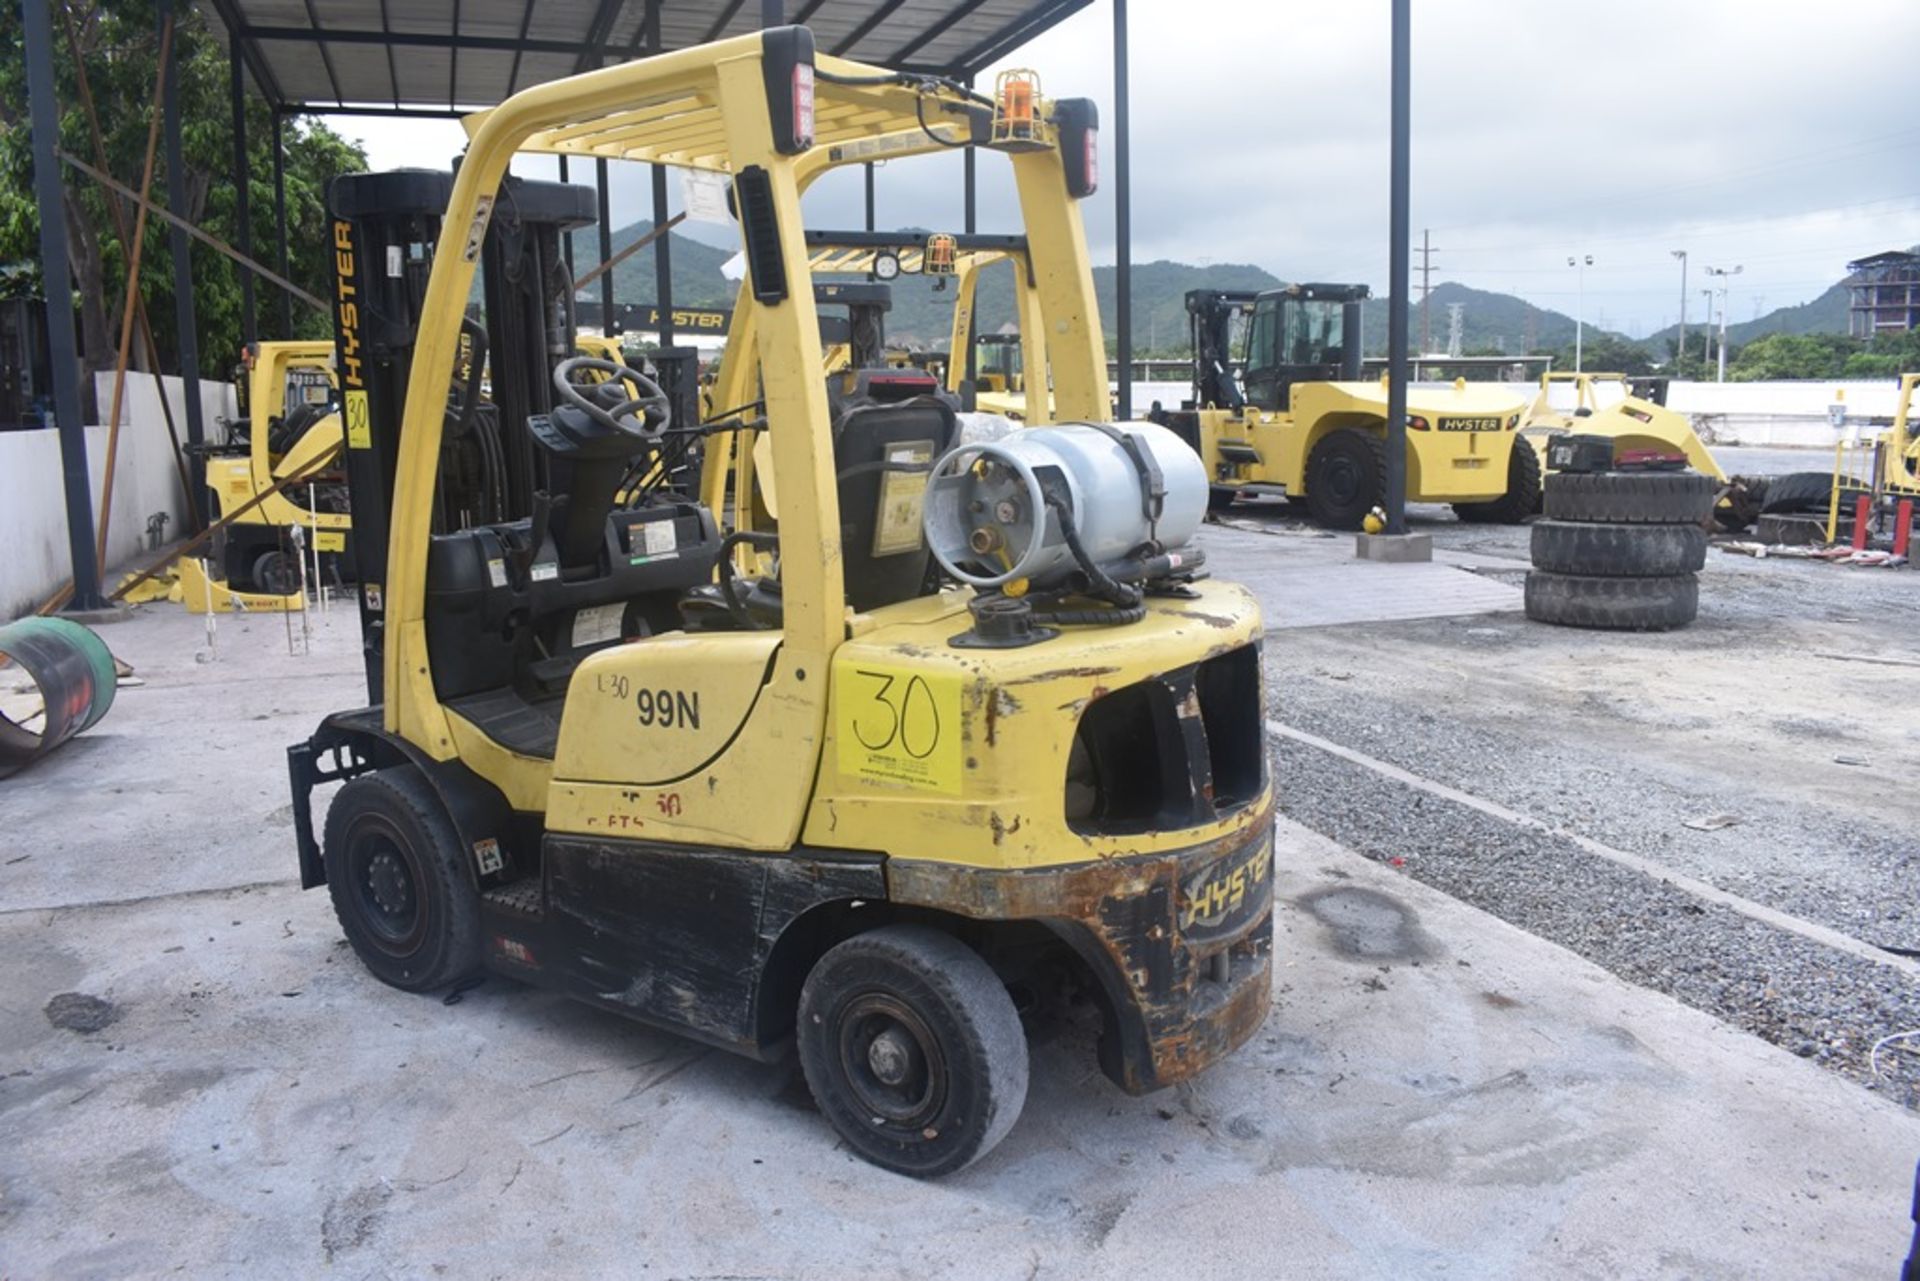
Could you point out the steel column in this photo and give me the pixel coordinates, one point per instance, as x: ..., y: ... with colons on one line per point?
x: 56, y: 284
x: 868, y: 167
x: 280, y: 218
x: 188, y: 338
x: 1122, y: 215
x: 662, y: 259
x: 566, y: 243
x: 969, y: 216
x: 606, y: 248
x: 242, y: 182
x: 1399, y: 270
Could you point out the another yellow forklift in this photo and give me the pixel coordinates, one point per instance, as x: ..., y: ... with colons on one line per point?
x: 288, y: 425
x: 1304, y: 425
x: 831, y: 806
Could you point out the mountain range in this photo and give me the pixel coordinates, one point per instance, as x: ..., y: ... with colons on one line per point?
x: 922, y: 314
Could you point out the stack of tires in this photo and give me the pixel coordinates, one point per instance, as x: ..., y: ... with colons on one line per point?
x: 1620, y: 549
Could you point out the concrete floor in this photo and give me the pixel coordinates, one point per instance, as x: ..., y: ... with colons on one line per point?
x: 1435, y: 1093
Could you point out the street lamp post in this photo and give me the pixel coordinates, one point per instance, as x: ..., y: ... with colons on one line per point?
x: 1680, y: 351
x: 1706, y: 347
x: 1580, y: 265
x: 1723, y: 273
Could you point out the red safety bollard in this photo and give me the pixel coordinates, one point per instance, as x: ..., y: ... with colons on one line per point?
x: 1902, y: 526
x: 1862, y: 518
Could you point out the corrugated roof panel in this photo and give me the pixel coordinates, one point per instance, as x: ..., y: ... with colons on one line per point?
x: 925, y: 33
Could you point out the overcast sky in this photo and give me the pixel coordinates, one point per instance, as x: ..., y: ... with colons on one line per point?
x: 1778, y: 136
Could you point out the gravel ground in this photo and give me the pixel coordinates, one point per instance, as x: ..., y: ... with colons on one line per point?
x: 1760, y: 713
x: 1821, y: 1004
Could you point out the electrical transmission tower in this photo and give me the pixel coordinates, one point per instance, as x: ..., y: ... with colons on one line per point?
x: 1427, y: 252
x: 1456, y: 323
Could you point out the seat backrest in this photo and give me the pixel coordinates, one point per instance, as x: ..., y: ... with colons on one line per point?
x: 882, y: 454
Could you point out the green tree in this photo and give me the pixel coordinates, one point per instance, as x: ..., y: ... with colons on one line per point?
x: 1790, y: 356
x: 1605, y: 353
x: 119, y: 43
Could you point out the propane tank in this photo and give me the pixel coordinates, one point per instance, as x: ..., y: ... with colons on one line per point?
x: 995, y: 510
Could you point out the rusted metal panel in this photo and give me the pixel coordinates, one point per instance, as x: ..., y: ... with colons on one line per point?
x: 1181, y: 941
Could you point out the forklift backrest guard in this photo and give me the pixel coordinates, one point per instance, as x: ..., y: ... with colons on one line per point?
x: 725, y: 122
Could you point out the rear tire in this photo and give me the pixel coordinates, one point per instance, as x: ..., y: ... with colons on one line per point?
x: 1221, y: 498
x: 1618, y: 551
x: 1522, y: 498
x: 399, y: 883
x: 275, y: 573
x: 913, y: 1049
x: 1631, y: 498
x: 1346, y: 477
x: 1613, y: 604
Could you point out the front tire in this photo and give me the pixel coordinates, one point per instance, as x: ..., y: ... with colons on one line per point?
x: 913, y: 1049
x: 399, y: 883
x: 1346, y: 477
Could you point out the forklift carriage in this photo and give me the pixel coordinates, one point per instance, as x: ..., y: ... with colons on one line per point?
x: 841, y: 805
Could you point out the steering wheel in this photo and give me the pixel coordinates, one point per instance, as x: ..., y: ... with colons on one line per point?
x: 646, y: 416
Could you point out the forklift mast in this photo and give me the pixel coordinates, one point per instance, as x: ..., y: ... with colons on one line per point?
x: 385, y: 227
x: 1210, y: 314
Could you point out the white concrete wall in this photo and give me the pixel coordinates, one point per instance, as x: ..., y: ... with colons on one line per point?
x: 1781, y: 414
x: 33, y: 509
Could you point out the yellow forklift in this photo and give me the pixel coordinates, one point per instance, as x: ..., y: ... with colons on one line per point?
x: 288, y: 426
x: 836, y: 809
x: 1633, y: 414
x: 1305, y: 426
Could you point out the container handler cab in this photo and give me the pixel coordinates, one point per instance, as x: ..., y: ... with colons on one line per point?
x: 288, y: 426
x: 826, y: 806
x: 1633, y: 414
x: 1305, y: 425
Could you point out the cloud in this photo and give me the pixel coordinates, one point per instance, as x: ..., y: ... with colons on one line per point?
x: 1774, y: 136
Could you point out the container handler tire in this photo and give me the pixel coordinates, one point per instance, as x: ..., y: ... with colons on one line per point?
x: 1801, y: 491
x: 913, y: 1049
x: 1221, y: 497
x: 1522, y: 498
x: 399, y: 884
x: 1618, y: 551
x: 1346, y: 477
x: 1613, y: 604
x: 276, y: 573
x: 1631, y: 498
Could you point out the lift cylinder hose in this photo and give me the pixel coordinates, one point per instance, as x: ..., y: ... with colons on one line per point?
x: 999, y: 511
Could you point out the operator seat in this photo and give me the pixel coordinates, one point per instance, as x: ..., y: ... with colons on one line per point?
x: 882, y: 452
x: 285, y: 432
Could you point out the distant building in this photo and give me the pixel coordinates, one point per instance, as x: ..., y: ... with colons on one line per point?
x: 1883, y: 294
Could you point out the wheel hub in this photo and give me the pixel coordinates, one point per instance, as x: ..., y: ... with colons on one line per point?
x: 388, y: 882
x: 891, y: 1056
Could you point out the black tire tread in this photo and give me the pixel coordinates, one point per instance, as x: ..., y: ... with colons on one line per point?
x: 1652, y: 604
x: 1800, y: 491
x: 1376, y: 447
x: 1631, y: 498
x: 407, y: 796
x: 1618, y: 551
x: 969, y: 988
x: 1522, y: 498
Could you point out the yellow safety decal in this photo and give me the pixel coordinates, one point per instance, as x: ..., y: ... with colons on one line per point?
x: 359, y: 428
x: 330, y: 540
x: 900, y: 727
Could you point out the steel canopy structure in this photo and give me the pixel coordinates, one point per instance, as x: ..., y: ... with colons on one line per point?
x: 446, y: 58
x: 441, y: 57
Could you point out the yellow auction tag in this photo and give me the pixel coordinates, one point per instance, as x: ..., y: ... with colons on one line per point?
x: 899, y: 727
x: 359, y: 428
x: 330, y: 540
